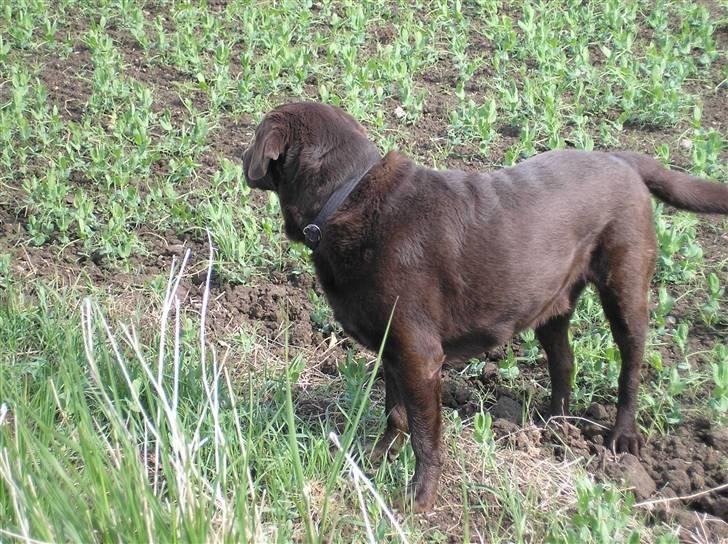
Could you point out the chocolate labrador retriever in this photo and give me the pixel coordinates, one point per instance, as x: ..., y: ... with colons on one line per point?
x: 470, y: 258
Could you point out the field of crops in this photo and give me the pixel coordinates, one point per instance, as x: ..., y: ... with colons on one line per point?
x: 169, y: 367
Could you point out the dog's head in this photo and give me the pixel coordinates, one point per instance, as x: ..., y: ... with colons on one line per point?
x: 297, y: 139
x: 302, y: 151
x: 270, y: 144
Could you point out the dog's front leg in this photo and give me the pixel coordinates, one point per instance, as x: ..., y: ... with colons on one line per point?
x: 419, y: 382
x: 394, y: 435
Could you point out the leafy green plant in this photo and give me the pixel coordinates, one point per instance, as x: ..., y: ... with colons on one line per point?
x: 530, y: 346
x: 665, y: 304
x: 508, y: 366
x: 601, y: 516
x: 679, y: 256
x: 710, y: 311
x: 706, y: 149
x: 474, y: 368
x: 475, y: 121
x: 483, y: 432
x: 680, y: 337
x: 321, y: 315
x: 719, y: 373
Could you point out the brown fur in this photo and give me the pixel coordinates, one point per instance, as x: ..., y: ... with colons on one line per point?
x: 470, y: 258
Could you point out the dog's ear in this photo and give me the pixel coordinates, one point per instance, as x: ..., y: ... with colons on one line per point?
x: 266, y: 148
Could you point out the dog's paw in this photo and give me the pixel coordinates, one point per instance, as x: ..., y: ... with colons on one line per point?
x: 375, y: 451
x: 387, y: 446
x: 625, y: 439
x: 417, y: 499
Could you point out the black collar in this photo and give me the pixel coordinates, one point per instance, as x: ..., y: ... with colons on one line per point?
x: 313, y: 231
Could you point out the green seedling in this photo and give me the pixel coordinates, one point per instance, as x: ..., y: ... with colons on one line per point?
x: 679, y: 256
x: 476, y: 122
x: 680, y: 337
x: 530, y: 346
x: 706, y: 151
x: 710, y: 311
x: 719, y: 373
x: 4, y: 50
x: 483, y: 432
x: 48, y: 210
x: 508, y: 366
x: 665, y: 303
x: 321, y: 314
x: 601, y: 517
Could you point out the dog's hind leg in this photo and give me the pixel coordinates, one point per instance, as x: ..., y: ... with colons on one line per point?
x: 623, y: 290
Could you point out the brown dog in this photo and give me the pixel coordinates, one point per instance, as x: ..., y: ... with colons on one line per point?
x: 470, y: 258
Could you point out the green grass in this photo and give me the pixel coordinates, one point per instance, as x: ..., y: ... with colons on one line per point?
x: 114, y: 432
x: 123, y: 122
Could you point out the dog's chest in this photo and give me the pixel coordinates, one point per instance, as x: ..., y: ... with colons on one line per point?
x: 355, y: 303
x: 359, y: 318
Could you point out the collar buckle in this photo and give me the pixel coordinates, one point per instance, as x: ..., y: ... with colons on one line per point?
x: 312, y: 234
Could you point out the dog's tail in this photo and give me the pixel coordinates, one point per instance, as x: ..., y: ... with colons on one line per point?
x: 677, y: 189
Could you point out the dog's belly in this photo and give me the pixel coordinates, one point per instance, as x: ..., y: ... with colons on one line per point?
x: 481, y: 328
x: 475, y: 342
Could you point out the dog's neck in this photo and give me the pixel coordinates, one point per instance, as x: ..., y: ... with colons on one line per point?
x: 314, y: 231
x: 310, y: 193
